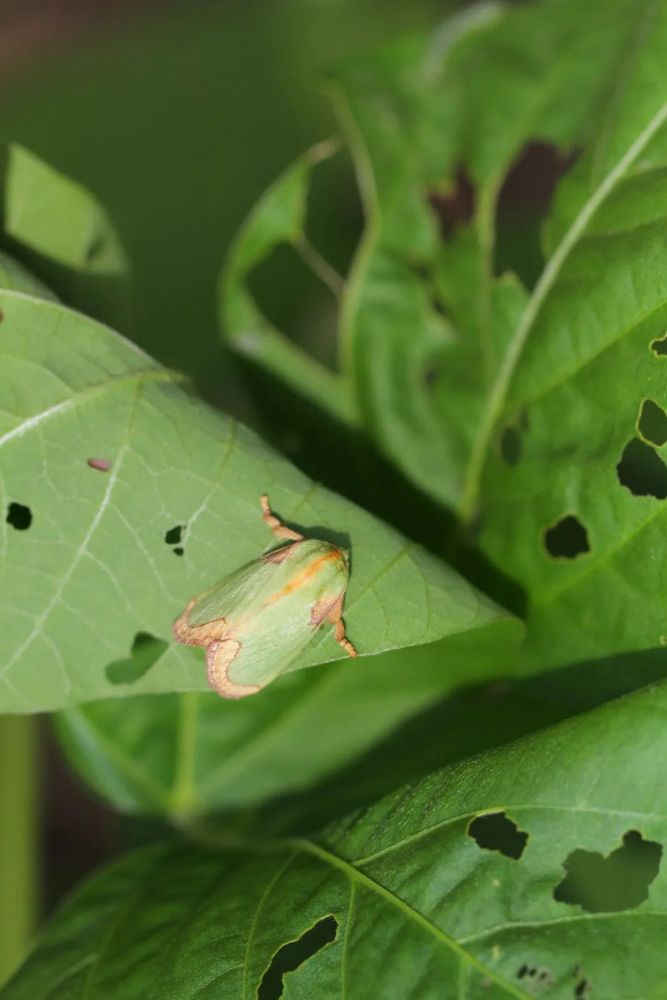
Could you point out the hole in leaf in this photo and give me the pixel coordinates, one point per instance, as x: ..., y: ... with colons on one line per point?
x: 174, y: 537
x: 652, y: 423
x: 496, y: 832
x: 566, y: 539
x: 659, y: 346
x: 146, y: 650
x: 510, y: 445
x: 642, y: 471
x: 582, y: 988
x: 454, y: 206
x: 2, y: 316
x: 523, y: 205
x: 608, y: 885
x: 19, y: 516
x: 293, y: 954
x: 296, y: 299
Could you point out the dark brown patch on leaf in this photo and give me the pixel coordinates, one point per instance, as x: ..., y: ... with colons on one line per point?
x: 456, y: 207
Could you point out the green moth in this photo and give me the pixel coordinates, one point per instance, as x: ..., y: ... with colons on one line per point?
x: 253, y: 622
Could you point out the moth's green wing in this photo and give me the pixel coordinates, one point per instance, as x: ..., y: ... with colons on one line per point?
x: 235, y: 593
x: 270, y: 608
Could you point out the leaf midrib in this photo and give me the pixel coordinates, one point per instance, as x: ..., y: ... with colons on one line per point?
x: 355, y: 876
x: 500, y: 387
x: 83, y: 396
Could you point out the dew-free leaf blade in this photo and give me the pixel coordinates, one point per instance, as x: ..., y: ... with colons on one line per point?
x: 188, y: 755
x: 57, y: 218
x: 123, y: 496
x: 17, y: 278
x: 278, y: 219
x: 63, y: 234
x: 434, y: 129
x: 578, y: 379
x: 536, y: 866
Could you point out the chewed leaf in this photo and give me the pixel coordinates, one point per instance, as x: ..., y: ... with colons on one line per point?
x: 425, y: 320
x: 532, y: 870
x: 92, y: 569
x: 582, y: 366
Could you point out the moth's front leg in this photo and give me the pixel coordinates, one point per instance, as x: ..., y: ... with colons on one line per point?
x: 335, y: 618
x: 279, y: 529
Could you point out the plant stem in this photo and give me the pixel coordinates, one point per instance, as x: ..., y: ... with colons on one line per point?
x: 18, y: 838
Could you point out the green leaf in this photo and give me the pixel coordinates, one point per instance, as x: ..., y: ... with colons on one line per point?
x: 584, y: 488
x: 280, y: 218
x: 495, y: 877
x: 64, y: 235
x: 424, y: 321
x: 505, y: 402
x: 54, y: 216
x: 188, y: 755
x: 106, y: 459
x: 17, y: 278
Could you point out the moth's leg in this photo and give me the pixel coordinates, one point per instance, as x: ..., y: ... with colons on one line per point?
x: 279, y: 529
x: 219, y: 657
x: 335, y: 618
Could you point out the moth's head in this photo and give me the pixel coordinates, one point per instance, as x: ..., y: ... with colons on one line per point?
x: 336, y: 552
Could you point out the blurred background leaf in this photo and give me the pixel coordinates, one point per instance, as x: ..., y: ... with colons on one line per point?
x: 57, y: 230
x: 502, y: 873
x: 175, y: 118
x: 185, y: 756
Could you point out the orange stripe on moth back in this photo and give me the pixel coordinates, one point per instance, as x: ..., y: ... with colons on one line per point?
x: 304, y: 575
x: 219, y: 657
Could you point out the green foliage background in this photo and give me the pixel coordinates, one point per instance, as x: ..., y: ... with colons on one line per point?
x: 456, y: 387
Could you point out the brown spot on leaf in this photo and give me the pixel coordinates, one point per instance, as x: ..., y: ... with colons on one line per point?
x: 101, y: 464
